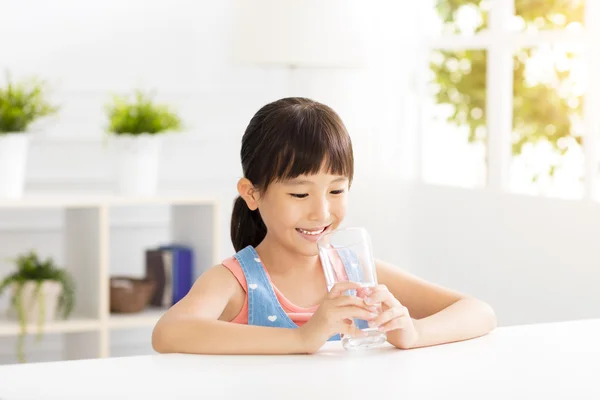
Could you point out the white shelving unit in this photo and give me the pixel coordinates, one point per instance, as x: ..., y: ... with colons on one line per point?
x: 193, y: 222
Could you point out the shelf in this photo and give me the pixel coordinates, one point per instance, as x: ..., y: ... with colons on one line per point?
x: 73, y: 324
x: 146, y: 318
x: 75, y: 200
x: 88, y: 235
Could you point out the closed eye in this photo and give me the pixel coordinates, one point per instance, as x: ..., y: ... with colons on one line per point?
x: 304, y: 195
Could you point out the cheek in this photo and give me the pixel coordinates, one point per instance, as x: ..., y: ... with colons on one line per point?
x: 280, y: 215
x: 340, y: 207
x: 292, y: 214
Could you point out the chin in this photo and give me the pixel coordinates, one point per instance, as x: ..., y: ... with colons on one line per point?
x: 303, y: 249
x: 310, y: 251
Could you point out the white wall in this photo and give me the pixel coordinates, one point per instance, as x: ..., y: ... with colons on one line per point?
x: 534, y: 259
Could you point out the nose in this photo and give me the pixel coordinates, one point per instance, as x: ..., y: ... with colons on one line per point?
x: 319, y: 211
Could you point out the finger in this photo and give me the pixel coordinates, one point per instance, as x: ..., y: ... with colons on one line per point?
x: 388, y: 315
x: 353, y: 312
x: 382, y: 295
x: 377, y: 288
x: 343, y: 301
x: 341, y: 287
x: 397, y: 323
x: 352, y: 330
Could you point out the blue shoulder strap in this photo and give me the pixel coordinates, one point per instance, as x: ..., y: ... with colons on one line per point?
x: 263, y: 307
x: 355, y: 274
x: 351, y: 265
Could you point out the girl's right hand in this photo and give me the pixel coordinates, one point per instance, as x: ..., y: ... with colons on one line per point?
x: 335, y: 315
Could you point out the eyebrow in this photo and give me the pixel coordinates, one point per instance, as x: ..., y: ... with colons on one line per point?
x: 307, y: 182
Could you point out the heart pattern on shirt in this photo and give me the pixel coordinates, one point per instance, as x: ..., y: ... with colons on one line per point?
x: 253, y: 286
x: 272, y: 318
x: 257, y: 260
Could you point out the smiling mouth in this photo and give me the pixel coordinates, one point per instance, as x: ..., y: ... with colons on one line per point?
x: 315, y: 232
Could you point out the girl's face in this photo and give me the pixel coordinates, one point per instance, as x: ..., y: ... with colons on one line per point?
x: 297, y: 212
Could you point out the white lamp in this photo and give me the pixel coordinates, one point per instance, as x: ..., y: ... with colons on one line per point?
x: 300, y: 33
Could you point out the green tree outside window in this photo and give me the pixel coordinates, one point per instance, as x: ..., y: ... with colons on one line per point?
x: 542, y: 111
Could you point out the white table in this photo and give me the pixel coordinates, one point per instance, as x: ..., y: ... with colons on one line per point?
x: 545, y: 361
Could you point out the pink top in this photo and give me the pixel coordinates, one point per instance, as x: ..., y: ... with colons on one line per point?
x: 299, y: 315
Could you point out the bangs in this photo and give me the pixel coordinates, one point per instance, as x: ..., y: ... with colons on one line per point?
x: 317, y: 142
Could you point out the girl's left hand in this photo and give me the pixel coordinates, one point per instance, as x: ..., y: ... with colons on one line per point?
x: 394, y: 319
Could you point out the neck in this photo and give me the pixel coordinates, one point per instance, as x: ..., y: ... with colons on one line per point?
x: 279, y: 258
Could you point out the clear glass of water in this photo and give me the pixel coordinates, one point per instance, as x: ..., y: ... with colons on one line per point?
x: 346, y: 255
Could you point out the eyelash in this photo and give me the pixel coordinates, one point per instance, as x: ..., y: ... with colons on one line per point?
x: 304, y: 195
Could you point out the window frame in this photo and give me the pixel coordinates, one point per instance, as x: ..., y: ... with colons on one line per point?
x: 500, y: 43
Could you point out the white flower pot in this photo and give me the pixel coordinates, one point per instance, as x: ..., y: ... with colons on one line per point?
x: 13, y: 162
x: 137, y: 163
x: 30, y: 300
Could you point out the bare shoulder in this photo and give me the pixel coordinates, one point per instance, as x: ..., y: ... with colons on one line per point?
x: 421, y: 297
x: 216, y: 291
x: 217, y: 274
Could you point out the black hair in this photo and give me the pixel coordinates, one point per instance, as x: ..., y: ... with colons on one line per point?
x: 287, y: 138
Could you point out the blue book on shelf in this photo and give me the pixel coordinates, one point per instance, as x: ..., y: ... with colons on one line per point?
x: 182, y: 270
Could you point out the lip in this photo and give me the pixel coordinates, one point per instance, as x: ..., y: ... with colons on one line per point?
x: 316, y: 229
x: 314, y: 238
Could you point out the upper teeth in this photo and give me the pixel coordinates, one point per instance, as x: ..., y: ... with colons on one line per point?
x: 311, y: 232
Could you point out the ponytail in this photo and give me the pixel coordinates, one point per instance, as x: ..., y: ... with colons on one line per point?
x: 247, y: 226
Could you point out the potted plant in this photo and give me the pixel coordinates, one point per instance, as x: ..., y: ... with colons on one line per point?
x: 135, y: 128
x: 39, y: 290
x: 21, y: 103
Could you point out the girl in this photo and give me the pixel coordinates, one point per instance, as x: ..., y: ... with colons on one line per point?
x: 298, y: 166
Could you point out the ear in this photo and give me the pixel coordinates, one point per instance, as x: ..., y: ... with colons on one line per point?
x: 248, y: 192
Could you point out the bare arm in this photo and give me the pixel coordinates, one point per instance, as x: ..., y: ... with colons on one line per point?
x: 466, y: 319
x: 440, y: 315
x: 193, y: 326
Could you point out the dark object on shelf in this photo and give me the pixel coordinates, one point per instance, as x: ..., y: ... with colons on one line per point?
x: 181, y: 262
x: 171, y: 267
x: 158, y: 270
x: 130, y: 295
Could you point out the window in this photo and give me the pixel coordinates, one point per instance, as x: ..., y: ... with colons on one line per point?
x: 547, y: 156
x: 539, y: 15
x: 507, y: 101
x: 454, y: 126
x: 455, y: 129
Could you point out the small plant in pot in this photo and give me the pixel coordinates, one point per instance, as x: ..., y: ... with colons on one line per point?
x: 136, y: 127
x: 21, y: 104
x: 39, y: 290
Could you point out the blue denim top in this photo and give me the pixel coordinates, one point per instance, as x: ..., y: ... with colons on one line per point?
x: 264, y: 308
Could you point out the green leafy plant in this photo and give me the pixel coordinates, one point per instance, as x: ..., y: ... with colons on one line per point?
x: 22, y: 103
x: 31, y: 268
x: 140, y: 116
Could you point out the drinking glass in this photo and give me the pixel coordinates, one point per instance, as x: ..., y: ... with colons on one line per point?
x: 346, y: 255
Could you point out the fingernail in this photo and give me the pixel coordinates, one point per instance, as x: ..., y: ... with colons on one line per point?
x: 373, y: 309
x: 368, y: 300
x: 372, y: 324
x: 373, y: 315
